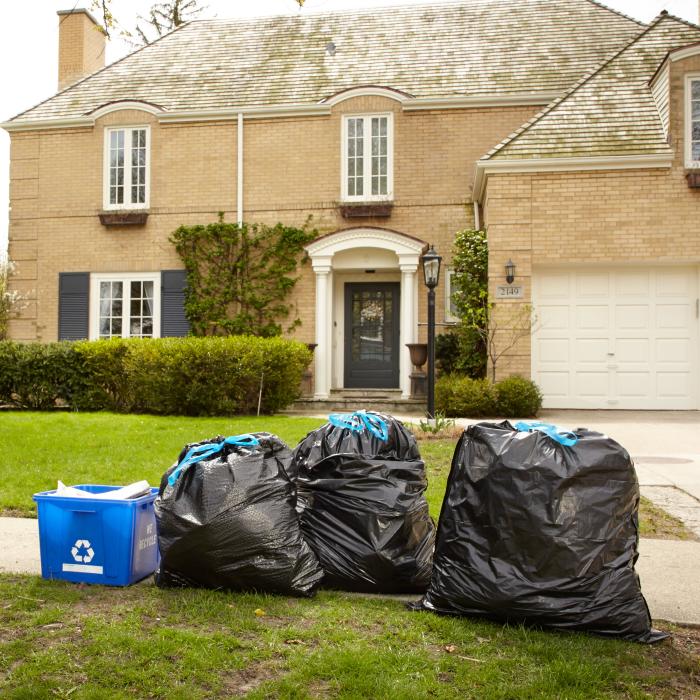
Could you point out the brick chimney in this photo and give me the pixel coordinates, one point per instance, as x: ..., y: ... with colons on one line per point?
x: 81, y: 46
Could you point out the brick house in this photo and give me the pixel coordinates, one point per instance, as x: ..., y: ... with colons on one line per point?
x: 571, y: 131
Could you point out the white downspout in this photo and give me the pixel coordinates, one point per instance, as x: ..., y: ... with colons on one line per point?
x: 239, y: 171
x: 477, y: 221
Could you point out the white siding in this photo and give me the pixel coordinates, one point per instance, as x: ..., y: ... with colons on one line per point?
x: 660, y: 90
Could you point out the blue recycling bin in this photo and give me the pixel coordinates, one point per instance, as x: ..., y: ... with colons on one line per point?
x: 86, y: 540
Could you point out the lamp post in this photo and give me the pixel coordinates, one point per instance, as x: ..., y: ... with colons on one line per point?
x: 431, y: 276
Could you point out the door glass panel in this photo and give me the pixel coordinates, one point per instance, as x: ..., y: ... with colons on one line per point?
x: 372, y: 331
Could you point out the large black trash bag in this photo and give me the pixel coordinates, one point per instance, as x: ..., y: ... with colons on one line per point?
x: 226, y: 519
x: 360, y: 490
x: 540, y: 532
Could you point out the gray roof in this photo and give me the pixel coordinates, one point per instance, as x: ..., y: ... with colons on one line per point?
x: 610, y: 112
x: 470, y: 48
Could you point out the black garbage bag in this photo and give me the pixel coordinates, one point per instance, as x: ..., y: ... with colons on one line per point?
x: 360, y: 490
x: 536, y: 531
x: 226, y: 519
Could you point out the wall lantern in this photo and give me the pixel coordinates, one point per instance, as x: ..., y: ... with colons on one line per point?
x: 510, y: 271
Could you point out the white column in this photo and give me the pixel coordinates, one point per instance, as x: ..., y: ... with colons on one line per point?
x: 324, y: 315
x: 408, y: 320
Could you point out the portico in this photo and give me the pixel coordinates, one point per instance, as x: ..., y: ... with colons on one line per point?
x: 366, y: 308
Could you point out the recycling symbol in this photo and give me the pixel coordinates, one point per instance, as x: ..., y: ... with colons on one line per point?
x: 82, y: 551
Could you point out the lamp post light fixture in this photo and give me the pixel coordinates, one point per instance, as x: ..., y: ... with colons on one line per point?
x: 431, y: 276
x: 510, y: 271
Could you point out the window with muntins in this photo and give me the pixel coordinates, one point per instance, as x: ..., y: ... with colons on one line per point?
x: 126, y: 168
x: 693, y: 129
x: 367, y: 157
x: 125, y: 306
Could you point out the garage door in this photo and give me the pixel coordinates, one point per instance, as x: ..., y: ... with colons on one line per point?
x: 617, y: 337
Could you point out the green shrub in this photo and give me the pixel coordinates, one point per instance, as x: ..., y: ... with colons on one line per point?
x: 39, y: 376
x: 106, y: 384
x: 517, y: 397
x: 167, y: 376
x: 461, y: 351
x: 464, y: 397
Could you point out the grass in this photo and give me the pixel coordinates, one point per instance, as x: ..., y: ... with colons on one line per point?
x: 657, y: 524
x: 59, y: 640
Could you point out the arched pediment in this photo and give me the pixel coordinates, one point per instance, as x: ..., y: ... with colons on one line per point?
x: 365, y: 91
x: 119, y: 105
x: 407, y: 248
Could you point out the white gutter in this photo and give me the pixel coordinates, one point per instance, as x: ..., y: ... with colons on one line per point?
x: 239, y: 171
x: 484, y: 168
x: 410, y: 104
x: 72, y: 123
x: 530, y: 98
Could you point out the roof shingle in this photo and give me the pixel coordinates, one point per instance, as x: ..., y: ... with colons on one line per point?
x: 469, y: 48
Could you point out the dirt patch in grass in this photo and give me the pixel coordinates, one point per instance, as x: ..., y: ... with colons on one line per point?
x: 677, y: 662
x: 655, y: 523
x: 244, y: 681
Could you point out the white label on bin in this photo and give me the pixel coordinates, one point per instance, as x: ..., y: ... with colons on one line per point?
x: 82, y: 569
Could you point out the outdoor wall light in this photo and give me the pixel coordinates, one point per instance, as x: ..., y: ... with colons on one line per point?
x: 431, y: 268
x: 510, y: 271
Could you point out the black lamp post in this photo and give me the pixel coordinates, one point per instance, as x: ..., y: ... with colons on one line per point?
x: 431, y: 275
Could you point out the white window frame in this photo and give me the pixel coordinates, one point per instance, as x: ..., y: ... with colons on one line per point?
x: 367, y: 160
x: 127, y: 168
x: 126, y: 278
x: 449, y: 316
x: 689, y: 162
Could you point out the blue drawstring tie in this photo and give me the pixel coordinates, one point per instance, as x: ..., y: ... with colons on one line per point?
x: 360, y: 421
x: 201, y: 452
x: 563, y: 437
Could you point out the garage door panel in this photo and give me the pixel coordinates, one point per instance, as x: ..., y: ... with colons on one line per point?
x: 592, y: 285
x: 633, y: 350
x: 633, y: 384
x: 673, y: 350
x: 672, y: 384
x: 632, y: 284
x: 624, y: 337
x: 673, y: 316
x: 555, y: 384
x: 592, y: 384
x: 589, y: 317
x: 553, y: 317
x: 591, y: 349
x: 632, y: 316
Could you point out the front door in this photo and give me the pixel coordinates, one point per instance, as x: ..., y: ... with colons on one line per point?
x: 372, y: 335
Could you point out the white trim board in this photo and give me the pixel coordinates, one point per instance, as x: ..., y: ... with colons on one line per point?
x: 549, y: 165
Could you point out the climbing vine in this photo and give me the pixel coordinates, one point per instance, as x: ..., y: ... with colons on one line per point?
x: 239, y: 276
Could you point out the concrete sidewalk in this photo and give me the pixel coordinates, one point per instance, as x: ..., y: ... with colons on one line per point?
x: 669, y: 569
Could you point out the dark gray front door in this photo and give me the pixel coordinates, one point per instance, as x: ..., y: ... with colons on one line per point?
x: 372, y: 335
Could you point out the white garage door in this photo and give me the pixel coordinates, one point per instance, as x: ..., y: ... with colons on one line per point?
x: 616, y: 337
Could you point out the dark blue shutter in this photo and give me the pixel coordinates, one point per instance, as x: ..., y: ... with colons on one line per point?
x: 173, y: 322
x: 73, y: 305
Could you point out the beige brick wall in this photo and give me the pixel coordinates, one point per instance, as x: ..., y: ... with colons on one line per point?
x: 291, y: 171
x: 630, y: 216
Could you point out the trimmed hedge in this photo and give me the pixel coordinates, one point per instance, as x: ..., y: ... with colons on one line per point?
x: 165, y: 376
x: 460, y: 397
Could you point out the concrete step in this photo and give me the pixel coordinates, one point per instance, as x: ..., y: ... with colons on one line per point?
x: 345, y: 402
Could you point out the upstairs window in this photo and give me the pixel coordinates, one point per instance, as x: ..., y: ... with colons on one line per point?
x: 126, y: 168
x: 367, y: 172
x: 692, y: 133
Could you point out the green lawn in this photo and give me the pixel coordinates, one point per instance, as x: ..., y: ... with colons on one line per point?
x: 59, y: 640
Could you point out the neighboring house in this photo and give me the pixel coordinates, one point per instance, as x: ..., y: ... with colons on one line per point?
x: 391, y: 127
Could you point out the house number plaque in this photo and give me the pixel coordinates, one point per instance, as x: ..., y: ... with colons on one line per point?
x: 509, y: 291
